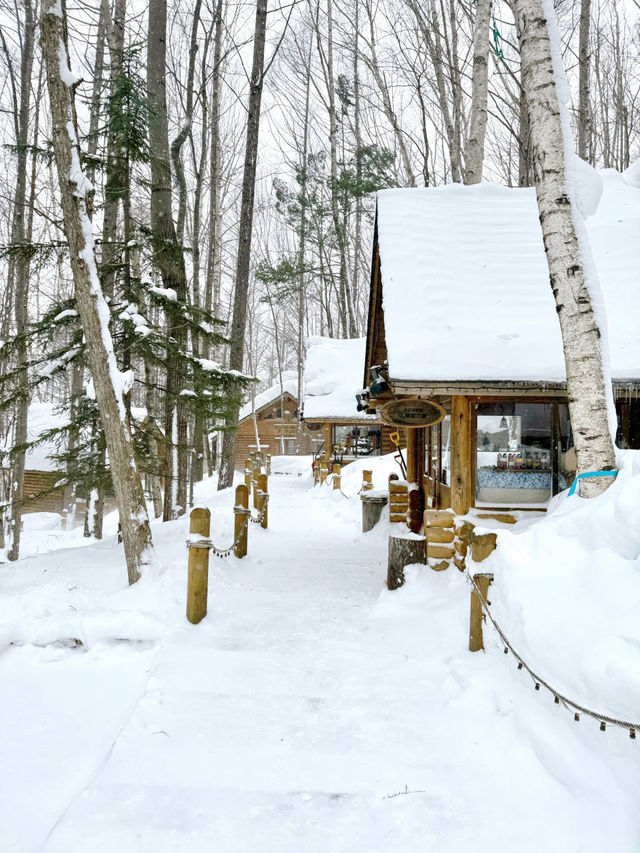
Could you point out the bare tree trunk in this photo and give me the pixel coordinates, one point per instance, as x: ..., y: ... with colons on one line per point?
x: 239, y: 321
x: 563, y: 234
x: 21, y: 270
x: 169, y: 260
x: 381, y: 83
x: 115, y: 171
x: 474, y: 155
x: 346, y: 318
x: 584, y: 61
x: 214, y: 248
x: 93, y: 311
x: 178, y: 142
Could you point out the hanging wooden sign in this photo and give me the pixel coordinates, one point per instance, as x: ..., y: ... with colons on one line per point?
x: 412, y: 412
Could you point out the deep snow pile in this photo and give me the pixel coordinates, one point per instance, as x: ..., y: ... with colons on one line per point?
x: 567, y: 592
x: 313, y: 710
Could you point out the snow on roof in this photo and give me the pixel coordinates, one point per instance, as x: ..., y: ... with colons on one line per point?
x: 41, y: 417
x: 332, y: 377
x: 289, y: 384
x: 466, y: 292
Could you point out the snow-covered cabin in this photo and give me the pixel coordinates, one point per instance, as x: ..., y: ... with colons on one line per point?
x: 42, y: 472
x: 332, y: 378
x: 276, y: 420
x: 462, y: 313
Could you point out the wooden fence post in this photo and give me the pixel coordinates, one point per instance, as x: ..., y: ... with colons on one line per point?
x: 198, y: 566
x: 263, y: 500
x: 336, y: 476
x: 483, y: 582
x: 248, y: 473
x: 367, y: 481
x: 324, y: 470
x: 241, y: 513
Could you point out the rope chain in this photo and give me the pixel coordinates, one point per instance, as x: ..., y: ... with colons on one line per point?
x: 559, y: 698
x: 220, y: 552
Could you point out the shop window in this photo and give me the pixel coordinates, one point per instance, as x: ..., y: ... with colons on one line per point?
x: 355, y: 441
x: 524, y: 452
x: 628, y: 435
x: 438, y: 451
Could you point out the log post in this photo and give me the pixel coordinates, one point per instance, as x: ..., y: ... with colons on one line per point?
x: 198, y: 566
x: 461, y: 463
x: 324, y: 471
x: 403, y: 550
x: 248, y: 473
x: 367, y: 481
x: 241, y: 513
x: 483, y: 582
x: 336, y: 476
x: 262, y: 504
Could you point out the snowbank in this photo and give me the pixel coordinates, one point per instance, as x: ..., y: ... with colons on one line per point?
x: 567, y: 594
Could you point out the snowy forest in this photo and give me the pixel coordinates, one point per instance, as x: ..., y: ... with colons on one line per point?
x: 228, y: 157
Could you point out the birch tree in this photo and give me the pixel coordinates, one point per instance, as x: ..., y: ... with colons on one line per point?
x: 474, y: 154
x: 566, y: 246
x: 93, y: 310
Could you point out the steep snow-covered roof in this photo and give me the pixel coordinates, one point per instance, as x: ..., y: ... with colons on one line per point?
x: 332, y: 377
x: 41, y: 417
x: 466, y: 291
x: 289, y: 384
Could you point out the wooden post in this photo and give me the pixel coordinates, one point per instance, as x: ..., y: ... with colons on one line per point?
x: 241, y: 520
x: 262, y: 502
x: 257, y: 468
x: 324, y: 470
x: 198, y: 566
x: 248, y: 473
x: 367, y: 481
x: 461, y: 465
x: 336, y: 476
x: 483, y: 582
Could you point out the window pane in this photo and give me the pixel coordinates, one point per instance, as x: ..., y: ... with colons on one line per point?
x: 514, y: 464
x: 354, y: 441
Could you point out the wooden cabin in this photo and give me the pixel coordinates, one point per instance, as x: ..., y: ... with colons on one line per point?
x: 276, y: 421
x: 41, y: 474
x: 461, y: 316
x: 332, y: 378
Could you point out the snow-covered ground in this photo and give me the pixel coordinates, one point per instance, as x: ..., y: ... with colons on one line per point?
x: 312, y: 710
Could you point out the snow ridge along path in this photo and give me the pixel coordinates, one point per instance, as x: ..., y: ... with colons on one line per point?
x: 311, y: 711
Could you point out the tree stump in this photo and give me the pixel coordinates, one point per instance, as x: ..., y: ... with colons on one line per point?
x: 372, y: 506
x: 402, y: 552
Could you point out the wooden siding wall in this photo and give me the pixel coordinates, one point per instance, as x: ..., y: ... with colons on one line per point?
x: 39, y: 493
x: 270, y: 428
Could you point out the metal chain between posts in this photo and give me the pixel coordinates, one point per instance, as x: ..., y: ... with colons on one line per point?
x: 559, y: 699
x: 220, y: 552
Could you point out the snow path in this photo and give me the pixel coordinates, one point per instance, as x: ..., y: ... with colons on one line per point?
x: 314, y: 711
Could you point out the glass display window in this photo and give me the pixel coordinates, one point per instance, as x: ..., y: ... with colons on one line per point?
x: 524, y: 452
x: 355, y: 441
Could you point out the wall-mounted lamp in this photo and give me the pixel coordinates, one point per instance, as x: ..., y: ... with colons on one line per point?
x: 379, y: 384
x: 363, y: 404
